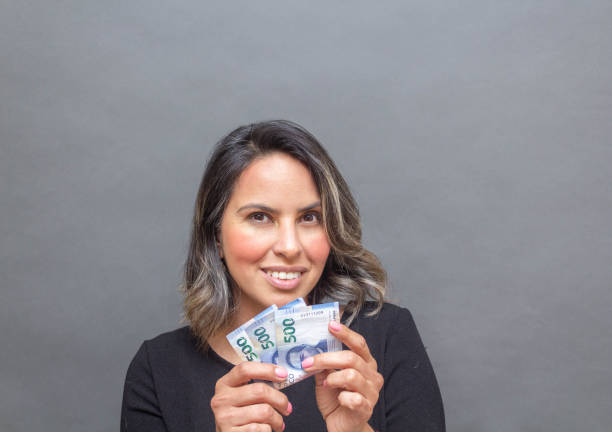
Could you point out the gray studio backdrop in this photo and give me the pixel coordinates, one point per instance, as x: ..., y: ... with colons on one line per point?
x: 475, y: 136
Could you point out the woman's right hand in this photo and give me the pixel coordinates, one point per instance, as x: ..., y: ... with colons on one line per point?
x: 240, y: 406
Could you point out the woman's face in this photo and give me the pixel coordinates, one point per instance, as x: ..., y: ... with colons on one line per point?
x: 272, y: 236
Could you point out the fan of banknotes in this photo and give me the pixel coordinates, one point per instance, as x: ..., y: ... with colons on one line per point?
x: 285, y: 336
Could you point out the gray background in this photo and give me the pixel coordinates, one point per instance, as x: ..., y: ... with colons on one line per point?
x: 475, y: 136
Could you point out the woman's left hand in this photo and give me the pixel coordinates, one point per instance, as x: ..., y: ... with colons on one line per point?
x: 347, y: 389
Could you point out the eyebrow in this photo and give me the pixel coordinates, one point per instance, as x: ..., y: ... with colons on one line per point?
x: 271, y: 210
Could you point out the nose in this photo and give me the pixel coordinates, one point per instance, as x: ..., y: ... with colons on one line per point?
x: 288, y: 242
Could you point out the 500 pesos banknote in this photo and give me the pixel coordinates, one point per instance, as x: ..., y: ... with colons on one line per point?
x: 301, y: 333
x: 242, y: 344
x: 262, y: 332
x: 249, y: 346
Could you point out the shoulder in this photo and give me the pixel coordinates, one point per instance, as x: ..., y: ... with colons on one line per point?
x: 381, y: 329
x: 388, y: 316
x: 171, y: 340
x: 173, y: 360
x: 411, y: 396
x: 164, y: 349
x: 180, y: 338
x: 171, y: 378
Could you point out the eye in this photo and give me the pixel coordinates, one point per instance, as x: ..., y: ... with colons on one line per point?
x: 259, y: 217
x: 312, y: 218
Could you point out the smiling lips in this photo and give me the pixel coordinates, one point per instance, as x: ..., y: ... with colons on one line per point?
x: 283, y: 279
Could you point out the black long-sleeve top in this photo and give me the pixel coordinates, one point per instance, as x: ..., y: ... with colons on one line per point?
x: 170, y: 383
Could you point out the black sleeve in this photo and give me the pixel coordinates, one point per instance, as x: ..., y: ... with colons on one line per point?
x: 412, y: 396
x: 140, y: 410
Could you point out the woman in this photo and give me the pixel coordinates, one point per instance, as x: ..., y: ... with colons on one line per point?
x: 271, y: 200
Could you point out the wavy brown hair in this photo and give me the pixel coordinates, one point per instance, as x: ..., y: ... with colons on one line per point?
x: 352, y: 275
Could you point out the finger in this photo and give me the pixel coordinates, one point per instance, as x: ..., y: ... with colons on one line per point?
x: 321, y: 377
x: 352, y: 380
x: 246, y: 371
x: 258, y: 393
x: 353, y: 340
x: 337, y: 360
x: 260, y: 413
x: 253, y: 427
x: 358, y: 404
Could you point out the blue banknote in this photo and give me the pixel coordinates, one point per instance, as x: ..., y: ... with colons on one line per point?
x: 302, y: 332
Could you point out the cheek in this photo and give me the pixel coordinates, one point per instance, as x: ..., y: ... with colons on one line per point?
x: 242, y: 245
x: 318, y: 248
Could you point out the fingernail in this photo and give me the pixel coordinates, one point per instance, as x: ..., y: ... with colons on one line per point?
x: 335, y: 326
x: 324, y: 383
x: 289, y: 408
x: 308, y: 362
x: 280, y: 372
x: 283, y: 426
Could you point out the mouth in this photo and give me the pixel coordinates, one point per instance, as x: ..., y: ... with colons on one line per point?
x: 283, y: 280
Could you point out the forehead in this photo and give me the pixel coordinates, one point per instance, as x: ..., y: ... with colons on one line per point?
x: 275, y: 175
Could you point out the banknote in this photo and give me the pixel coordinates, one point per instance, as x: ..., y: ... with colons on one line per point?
x: 262, y: 332
x: 255, y: 339
x: 242, y: 344
x: 301, y: 332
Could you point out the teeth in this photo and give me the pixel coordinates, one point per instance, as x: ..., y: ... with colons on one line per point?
x: 284, y: 275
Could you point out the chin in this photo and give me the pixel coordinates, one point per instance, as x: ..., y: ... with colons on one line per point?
x: 282, y: 300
